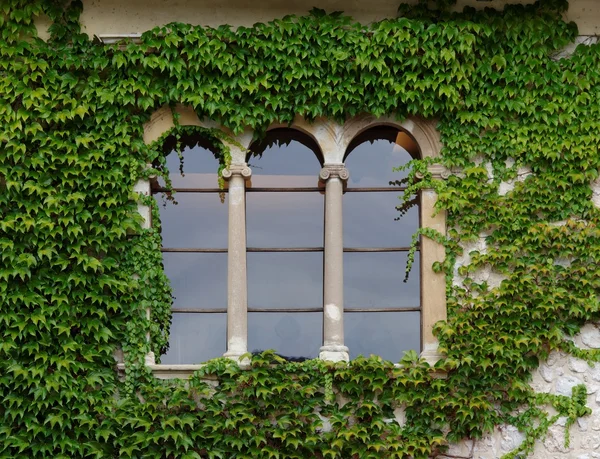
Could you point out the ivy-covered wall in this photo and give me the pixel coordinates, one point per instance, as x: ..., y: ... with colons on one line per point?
x: 77, y: 274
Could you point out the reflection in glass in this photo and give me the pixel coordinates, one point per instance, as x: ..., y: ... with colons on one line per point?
x: 371, y: 162
x: 199, y: 280
x: 193, y: 220
x: 285, y: 280
x: 290, y: 334
x: 369, y: 220
x: 284, y: 219
x: 386, y: 334
x: 200, y: 168
x: 286, y: 158
x: 375, y: 280
x: 196, y: 338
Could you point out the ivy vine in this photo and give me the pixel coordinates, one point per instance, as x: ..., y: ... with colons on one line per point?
x: 78, y: 272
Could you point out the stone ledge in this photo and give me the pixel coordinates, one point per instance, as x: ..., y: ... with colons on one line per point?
x: 171, y: 371
x: 185, y: 371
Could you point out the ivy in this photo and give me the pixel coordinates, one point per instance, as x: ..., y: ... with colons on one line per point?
x: 79, y: 273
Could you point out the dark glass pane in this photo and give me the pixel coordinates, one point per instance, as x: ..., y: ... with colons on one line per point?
x: 277, y: 164
x: 371, y: 163
x: 196, y: 338
x: 369, y: 220
x: 196, y: 220
x: 290, y: 334
x: 199, y: 280
x: 200, y: 168
x: 386, y: 334
x: 285, y: 280
x: 284, y: 219
x: 375, y: 280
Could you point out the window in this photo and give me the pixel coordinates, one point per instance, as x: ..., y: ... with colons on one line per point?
x: 194, y: 233
x: 382, y: 313
x: 284, y: 227
x: 305, y: 251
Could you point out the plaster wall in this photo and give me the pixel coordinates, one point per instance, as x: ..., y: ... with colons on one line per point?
x: 102, y: 17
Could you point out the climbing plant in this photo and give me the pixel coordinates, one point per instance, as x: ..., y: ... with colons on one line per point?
x: 78, y: 273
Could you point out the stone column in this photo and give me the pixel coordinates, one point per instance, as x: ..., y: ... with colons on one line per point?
x: 433, y: 285
x: 237, y: 292
x: 143, y: 187
x: 334, y: 176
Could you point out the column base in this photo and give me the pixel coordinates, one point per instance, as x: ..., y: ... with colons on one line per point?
x: 334, y: 353
x: 149, y: 359
x: 236, y: 356
x: 431, y: 354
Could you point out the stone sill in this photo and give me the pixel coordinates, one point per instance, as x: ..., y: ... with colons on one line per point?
x: 170, y: 371
x: 185, y: 371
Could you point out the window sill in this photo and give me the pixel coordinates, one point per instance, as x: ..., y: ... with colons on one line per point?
x: 185, y: 371
x: 170, y: 371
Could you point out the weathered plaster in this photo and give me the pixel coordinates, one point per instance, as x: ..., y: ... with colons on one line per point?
x: 136, y: 16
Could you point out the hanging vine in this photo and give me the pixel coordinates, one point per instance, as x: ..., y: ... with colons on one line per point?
x: 78, y: 272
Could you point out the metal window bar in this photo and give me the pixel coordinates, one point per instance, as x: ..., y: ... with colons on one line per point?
x: 279, y: 189
x: 286, y: 249
x: 292, y: 310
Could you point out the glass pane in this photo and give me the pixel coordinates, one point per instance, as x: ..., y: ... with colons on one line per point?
x: 369, y: 220
x: 371, y: 162
x: 386, y: 334
x: 290, y: 334
x: 277, y: 164
x: 285, y: 280
x: 199, y: 280
x: 284, y: 219
x: 375, y: 280
x: 197, y: 220
x: 200, y: 168
x: 196, y: 338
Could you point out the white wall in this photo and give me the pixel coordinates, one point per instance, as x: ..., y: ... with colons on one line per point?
x: 136, y: 16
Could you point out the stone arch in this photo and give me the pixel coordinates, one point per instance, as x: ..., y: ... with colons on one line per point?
x: 161, y: 122
x: 304, y: 136
x: 301, y: 125
x: 422, y: 131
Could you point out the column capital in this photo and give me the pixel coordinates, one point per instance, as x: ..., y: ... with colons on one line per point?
x: 334, y: 171
x: 237, y: 170
x: 437, y: 171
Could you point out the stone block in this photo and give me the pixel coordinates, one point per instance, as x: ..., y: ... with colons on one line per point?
x: 565, y: 385
x: 590, y: 336
x: 577, y: 365
x: 511, y: 438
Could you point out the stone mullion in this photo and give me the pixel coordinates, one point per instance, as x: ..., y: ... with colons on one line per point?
x: 333, y: 348
x: 237, y: 284
x: 433, y: 304
x: 143, y: 187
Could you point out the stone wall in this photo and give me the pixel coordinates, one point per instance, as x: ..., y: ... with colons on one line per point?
x: 558, y: 375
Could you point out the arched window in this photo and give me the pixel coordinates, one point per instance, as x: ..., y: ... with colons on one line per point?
x: 284, y: 224
x: 305, y: 250
x: 193, y: 223
x: 382, y: 314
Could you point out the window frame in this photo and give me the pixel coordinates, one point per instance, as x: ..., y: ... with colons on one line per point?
x: 333, y: 139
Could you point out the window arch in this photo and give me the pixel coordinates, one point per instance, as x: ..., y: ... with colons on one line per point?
x: 277, y: 170
x: 284, y: 230
x: 193, y: 225
x: 382, y: 313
